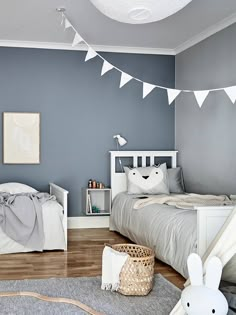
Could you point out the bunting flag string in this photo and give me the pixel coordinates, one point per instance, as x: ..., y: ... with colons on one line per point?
x: 90, y: 54
x: 147, y: 87
x: 67, y: 24
x: 77, y: 40
x: 106, y: 67
x: 125, y: 78
x: 201, y: 96
x: 231, y: 92
x: 172, y: 94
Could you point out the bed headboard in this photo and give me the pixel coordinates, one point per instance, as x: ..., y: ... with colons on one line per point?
x: 145, y: 158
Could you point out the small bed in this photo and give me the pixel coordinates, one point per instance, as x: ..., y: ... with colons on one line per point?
x: 54, y: 215
x: 173, y: 233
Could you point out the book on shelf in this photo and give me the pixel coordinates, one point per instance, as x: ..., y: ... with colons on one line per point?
x: 89, y: 204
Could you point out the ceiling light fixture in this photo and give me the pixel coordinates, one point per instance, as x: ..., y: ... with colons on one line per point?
x: 139, y: 11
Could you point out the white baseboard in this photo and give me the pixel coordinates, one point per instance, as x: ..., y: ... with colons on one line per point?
x: 88, y: 222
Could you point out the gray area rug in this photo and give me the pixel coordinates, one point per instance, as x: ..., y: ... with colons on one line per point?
x: 160, y: 301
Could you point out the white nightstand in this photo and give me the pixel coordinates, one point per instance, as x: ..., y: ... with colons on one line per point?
x: 99, y: 198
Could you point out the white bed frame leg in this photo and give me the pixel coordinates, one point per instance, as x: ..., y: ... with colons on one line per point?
x: 62, y: 197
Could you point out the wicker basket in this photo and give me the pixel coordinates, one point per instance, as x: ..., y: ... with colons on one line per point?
x: 136, y: 277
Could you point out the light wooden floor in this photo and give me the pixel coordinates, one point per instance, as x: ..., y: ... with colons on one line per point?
x: 83, y: 258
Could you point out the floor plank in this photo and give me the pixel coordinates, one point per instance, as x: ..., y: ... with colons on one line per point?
x: 83, y: 258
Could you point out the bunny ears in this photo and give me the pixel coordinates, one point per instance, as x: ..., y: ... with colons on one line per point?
x: 213, y: 271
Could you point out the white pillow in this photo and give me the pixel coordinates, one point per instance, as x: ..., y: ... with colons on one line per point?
x: 147, y: 180
x: 16, y: 188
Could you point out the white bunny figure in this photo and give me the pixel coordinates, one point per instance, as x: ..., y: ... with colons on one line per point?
x: 204, y: 299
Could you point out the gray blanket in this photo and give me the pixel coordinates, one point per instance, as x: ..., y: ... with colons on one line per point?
x: 21, y: 218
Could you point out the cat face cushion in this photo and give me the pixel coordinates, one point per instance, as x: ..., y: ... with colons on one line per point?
x: 147, y: 180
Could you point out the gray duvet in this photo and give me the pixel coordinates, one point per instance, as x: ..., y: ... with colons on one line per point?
x: 21, y: 218
x: 171, y: 232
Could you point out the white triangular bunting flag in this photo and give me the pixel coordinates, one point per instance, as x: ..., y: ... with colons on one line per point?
x: 90, y: 54
x: 125, y: 78
x: 147, y: 88
x: 67, y: 24
x: 231, y: 92
x: 201, y: 96
x: 106, y: 67
x: 77, y: 39
x: 172, y: 94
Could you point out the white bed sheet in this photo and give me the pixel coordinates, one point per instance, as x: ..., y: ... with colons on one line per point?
x: 53, y: 231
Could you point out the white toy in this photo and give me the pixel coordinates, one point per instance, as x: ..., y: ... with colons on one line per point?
x: 204, y: 299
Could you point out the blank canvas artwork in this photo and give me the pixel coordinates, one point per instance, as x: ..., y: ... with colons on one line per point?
x: 21, y: 138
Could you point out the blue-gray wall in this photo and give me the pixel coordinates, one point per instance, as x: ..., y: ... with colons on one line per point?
x: 205, y: 137
x: 80, y: 112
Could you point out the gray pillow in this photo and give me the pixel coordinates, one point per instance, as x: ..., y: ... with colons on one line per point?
x: 176, y: 180
x: 147, y: 180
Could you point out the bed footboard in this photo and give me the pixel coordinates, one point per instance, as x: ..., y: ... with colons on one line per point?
x: 209, y: 222
x: 62, y: 197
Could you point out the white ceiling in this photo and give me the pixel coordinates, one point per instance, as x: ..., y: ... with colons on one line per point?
x: 36, y: 23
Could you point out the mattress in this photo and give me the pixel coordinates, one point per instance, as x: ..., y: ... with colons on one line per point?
x: 52, y: 213
x: 171, y: 232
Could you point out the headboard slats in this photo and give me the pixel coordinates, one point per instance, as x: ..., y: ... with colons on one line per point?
x: 144, y: 161
x: 118, y: 180
x: 152, y: 160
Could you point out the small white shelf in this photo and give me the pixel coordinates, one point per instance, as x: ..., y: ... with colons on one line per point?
x: 100, y: 198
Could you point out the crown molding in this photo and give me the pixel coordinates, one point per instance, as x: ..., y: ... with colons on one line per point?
x: 206, y: 33
x: 124, y: 49
x: 83, y: 47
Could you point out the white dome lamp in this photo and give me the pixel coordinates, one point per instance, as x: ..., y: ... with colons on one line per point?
x: 139, y: 11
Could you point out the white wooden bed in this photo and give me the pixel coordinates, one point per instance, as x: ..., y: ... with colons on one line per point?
x: 54, y: 214
x: 209, y: 219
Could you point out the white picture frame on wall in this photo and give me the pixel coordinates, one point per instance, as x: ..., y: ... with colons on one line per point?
x: 21, y: 138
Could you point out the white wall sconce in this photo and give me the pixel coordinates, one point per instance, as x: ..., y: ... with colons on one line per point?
x: 120, y: 140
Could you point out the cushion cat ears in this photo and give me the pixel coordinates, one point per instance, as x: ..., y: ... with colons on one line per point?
x: 131, y: 168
